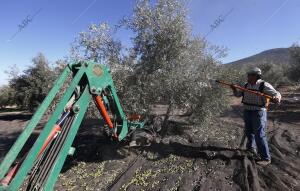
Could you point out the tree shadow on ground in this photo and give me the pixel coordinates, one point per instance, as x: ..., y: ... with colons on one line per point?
x: 7, y: 141
x: 11, y: 117
x: 93, y: 145
x: 188, y: 151
x: 90, y: 143
x: 10, y: 110
x: 287, y: 117
x: 237, y: 114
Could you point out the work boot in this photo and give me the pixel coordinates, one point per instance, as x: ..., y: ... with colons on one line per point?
x: 263, y: 162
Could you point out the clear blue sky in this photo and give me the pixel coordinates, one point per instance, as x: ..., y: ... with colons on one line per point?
x: 253, y: 26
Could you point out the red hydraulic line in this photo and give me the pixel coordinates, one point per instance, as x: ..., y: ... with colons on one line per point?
x: 103, y: 111
x: 6, y: 180
x: 12, y: 172
x: 51, y: 136
x: 56, y: 129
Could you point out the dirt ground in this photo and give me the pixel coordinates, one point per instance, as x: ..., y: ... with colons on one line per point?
x: 188, y: 158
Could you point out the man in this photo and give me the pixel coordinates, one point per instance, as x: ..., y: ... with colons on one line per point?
x: 255, y: 114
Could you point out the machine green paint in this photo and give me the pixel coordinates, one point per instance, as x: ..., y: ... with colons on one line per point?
x: 89, y: 81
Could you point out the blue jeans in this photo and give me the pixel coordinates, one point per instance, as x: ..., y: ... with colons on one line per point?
x: 255, y: 126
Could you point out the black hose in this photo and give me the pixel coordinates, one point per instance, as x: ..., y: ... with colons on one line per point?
x: 38, y: 178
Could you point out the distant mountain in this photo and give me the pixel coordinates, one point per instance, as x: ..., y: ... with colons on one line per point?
x: 277, y: 56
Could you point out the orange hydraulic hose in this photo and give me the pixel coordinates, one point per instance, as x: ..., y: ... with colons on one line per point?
x: 103, y: 111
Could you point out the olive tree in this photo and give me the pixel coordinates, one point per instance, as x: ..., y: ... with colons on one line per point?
x: 6, y: 96
x: 294, y: 70
x: 172, y: 66
x: 33, y: 85
x: 274, y: 73
x: 97, y: 43
x: 166, y: 65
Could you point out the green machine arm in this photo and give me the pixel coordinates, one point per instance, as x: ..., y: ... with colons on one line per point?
x: 40, y: 167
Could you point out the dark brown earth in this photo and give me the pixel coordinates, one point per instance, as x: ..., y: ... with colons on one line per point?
x: 188, y: 158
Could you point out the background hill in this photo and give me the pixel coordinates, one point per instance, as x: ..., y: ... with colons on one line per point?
x: 276, y: 65
x: 277, y: 56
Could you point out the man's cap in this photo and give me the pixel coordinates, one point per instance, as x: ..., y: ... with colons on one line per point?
x: 255, y: 70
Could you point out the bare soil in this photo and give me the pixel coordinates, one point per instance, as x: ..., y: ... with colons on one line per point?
x: 188, y: 158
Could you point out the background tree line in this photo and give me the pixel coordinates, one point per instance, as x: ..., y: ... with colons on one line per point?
x: 166, y: 64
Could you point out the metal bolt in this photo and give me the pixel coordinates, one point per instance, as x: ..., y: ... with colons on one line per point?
x: 76, y: 108
x: 93, y: 89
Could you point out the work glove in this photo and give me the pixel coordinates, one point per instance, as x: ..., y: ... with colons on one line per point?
x: 233, y: 87
x: 276, y: 100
